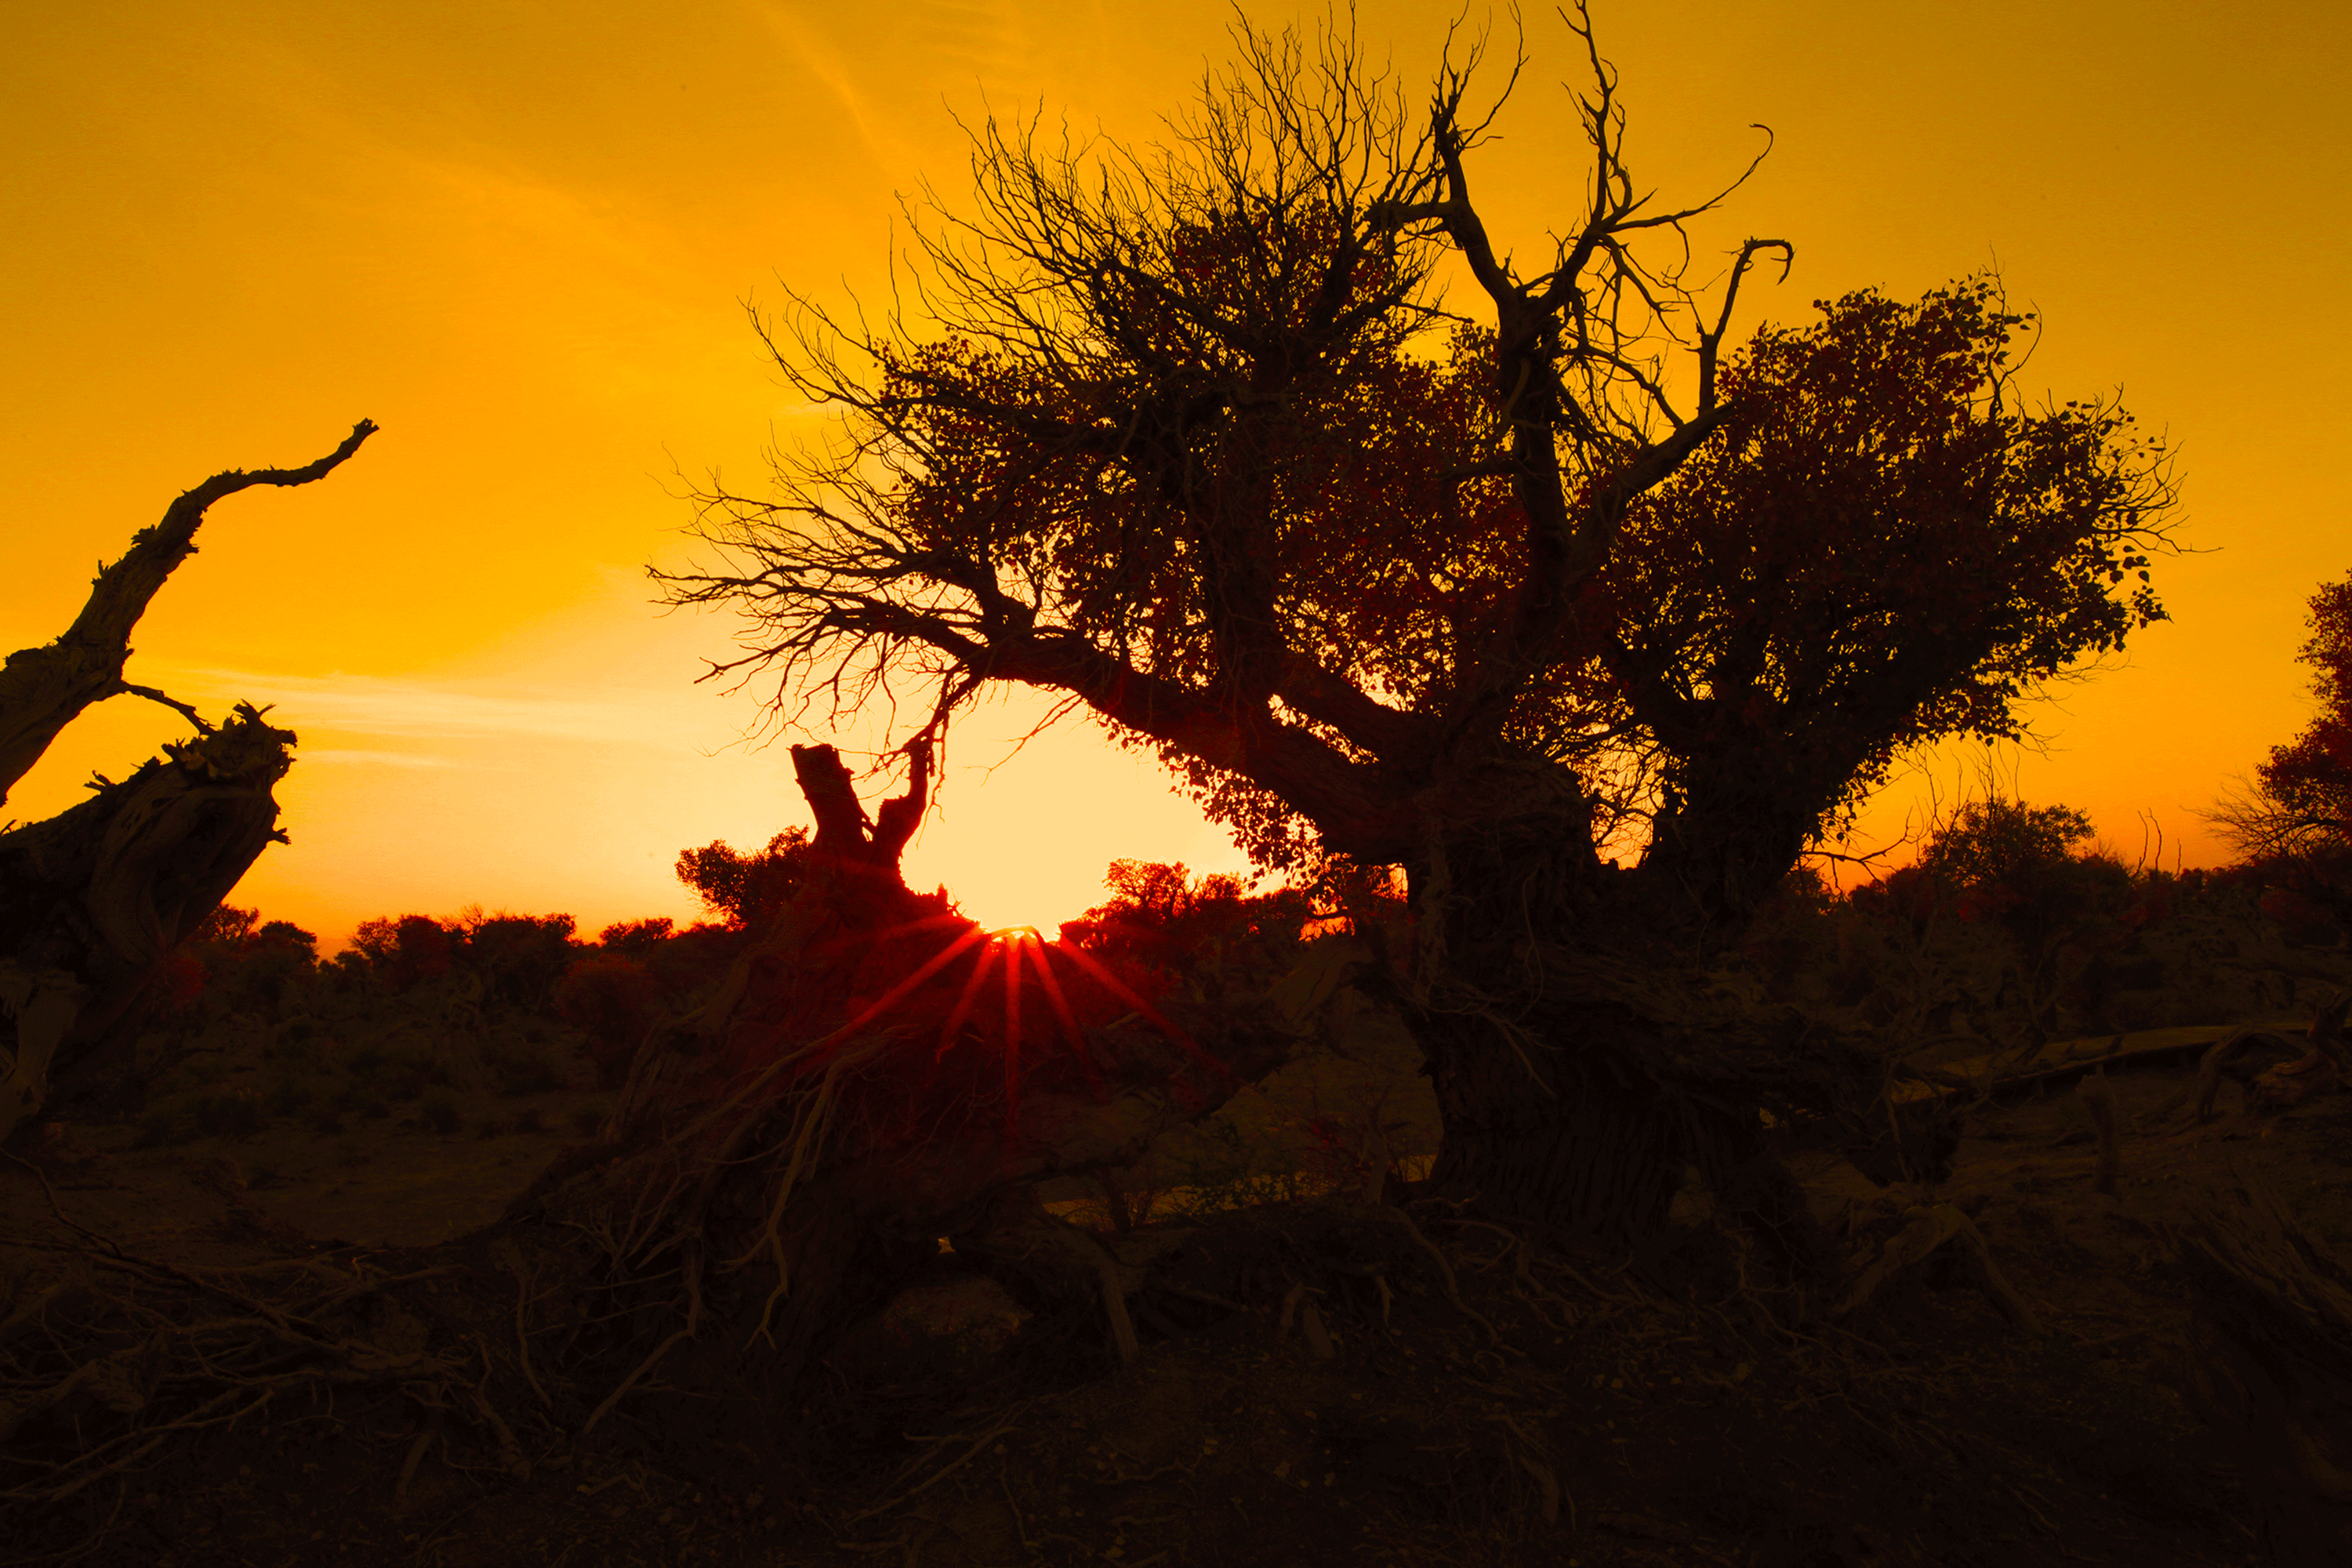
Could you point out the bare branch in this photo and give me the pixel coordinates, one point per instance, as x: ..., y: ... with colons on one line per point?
x: 43, y: 688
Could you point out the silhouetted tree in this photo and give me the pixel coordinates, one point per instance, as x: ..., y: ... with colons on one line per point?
x: 2031, y: 869
x: 2296, y: 821
x: 2311, y: 777
x: 407, y: 952
x: 243, y: 962
x: 521, y: 958
x: 636, y: 936
x: 611, y: 997
x: 1180, y: 436
x: 1162, y: 923
x: 93, y: 901
x: 745, y: 891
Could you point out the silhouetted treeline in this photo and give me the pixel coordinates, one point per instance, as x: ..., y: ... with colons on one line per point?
x: 2012, y: 927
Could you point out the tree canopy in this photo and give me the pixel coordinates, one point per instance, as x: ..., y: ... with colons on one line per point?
x: 745, y: 890
x: 2310, y: 777
x: 1190, y: 438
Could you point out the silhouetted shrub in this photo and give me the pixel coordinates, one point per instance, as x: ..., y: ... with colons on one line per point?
x: 520, y: 958
x: 520, y: 1067
x: 404, y: 953
x: 397, y: 1073
x: 235, y: 1114
x: 635, y: 938
x: 1162, y: 927
x: 613, y: 1000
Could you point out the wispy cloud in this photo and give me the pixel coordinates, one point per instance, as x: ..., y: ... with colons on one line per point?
x: 376, y: 759
x: 417, y: 710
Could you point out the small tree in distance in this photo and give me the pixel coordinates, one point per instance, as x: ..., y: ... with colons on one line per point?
x: 745, y: 891
x: 2296, y: 821
x: 1165, y: 922
x: 2310, y: 778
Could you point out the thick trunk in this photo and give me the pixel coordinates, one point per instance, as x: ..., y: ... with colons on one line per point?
x: 1556, y: 1138
x: 1577, y: 1085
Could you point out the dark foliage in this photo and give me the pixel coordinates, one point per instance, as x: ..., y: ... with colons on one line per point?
x: 1161, y: 924
x: 745, y: 891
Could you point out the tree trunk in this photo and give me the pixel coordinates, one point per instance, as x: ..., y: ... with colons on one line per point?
x: 1577, y: 1085
x: 876, y: 1073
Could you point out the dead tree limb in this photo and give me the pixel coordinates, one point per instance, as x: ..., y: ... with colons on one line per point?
x: 92, y: 899
x: 42, y: 690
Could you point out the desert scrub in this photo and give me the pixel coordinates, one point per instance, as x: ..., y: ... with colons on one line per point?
x: 286, y: 1096
x: 524, y: 1067
x: 238, y: 1113
x: 398, y: 1073
x: 161, y: 1125
x: 309, y: 1057
x: 438, y: 1112
x: 359, y: 1098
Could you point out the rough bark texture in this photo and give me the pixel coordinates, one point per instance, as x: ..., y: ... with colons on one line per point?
x: 92, y: 899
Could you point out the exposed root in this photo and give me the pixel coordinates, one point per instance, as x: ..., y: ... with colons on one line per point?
x: 1928, y: 1230
x: 1009, y: 1423
x: 1445, y: 1272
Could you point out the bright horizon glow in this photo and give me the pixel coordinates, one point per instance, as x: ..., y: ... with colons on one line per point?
x: 524, y: 249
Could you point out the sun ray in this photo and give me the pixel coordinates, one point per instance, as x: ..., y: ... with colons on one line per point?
x: 868, y: 939
x: 1040, y: 957
x: 1012, y: 1029
x: 963, y: 1003
x: 931, y: 966
x: 1153, y: 1015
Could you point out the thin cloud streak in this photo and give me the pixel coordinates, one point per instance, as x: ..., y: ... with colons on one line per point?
x: 413, y: 709
x: 309, y: 755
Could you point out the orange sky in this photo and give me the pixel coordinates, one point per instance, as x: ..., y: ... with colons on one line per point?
x: 520, y: 238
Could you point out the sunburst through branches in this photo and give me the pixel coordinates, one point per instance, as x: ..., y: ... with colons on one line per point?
x: 993, y: 1009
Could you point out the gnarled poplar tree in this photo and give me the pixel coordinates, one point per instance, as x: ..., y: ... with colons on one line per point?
x: 1586, y: 615
x: 93, y: 899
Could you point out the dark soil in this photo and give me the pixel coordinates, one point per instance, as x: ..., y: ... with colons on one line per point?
x: 1556, y: 1413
